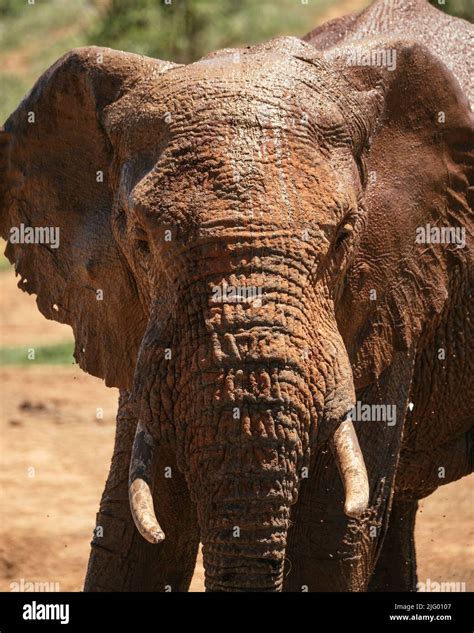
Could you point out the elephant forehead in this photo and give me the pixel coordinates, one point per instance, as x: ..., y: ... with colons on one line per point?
x: 264, y: 89
x: 235, y: 123
x: 241, y: 177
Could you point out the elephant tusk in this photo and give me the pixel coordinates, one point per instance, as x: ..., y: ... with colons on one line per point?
x: 140, y: 495
x: 141, y: 504
x: 350, y: 462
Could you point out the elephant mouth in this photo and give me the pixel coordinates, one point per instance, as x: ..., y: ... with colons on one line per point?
x: 344, y: 444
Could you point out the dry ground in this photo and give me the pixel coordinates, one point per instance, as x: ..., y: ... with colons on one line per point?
x: 55, y: 453
x: 21, y: 323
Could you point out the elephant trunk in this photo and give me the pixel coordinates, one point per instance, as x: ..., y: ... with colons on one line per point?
x: 244, y: 543
x: 245, y: 410
x: 246, y: 466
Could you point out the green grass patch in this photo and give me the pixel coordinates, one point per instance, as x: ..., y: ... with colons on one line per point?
x: 32, y: 37
x: 5, y: 264
x: 30, y: 27
x: 57, y: 354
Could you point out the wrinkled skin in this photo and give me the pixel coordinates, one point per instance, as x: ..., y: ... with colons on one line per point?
x: 255, y: 168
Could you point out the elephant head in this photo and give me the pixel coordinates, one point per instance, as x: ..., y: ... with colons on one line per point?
x: 220, y: 234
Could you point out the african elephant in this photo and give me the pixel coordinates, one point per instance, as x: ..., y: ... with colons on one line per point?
x: 250, y: 249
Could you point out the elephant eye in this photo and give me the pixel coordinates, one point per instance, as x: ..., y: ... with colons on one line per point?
x: 344, y: 232
x: 141, y: 241
x: 143, y: 246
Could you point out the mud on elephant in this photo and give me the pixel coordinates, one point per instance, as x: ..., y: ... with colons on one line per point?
x: 228, y: 259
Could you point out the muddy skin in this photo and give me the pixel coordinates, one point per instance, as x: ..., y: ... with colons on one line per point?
x: 254, y: 247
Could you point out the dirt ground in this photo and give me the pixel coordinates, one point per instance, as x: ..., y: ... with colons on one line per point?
x: 21, y: 323
x: 55, y: 453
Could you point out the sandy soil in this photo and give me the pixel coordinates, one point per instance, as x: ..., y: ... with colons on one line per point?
x: 55, y: 455
x: 55, y: 452
x: 21, y: 323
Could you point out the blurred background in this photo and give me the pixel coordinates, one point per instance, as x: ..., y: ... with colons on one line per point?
x: 33, y: 36
x: 56, y: 422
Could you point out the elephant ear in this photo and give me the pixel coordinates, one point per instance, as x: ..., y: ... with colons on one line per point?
x: 57, y: 189
x: 418, y: 159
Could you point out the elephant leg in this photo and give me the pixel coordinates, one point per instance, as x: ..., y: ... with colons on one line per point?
x: 121, y: 559
x: 326, y: 550
x: 395, y: 569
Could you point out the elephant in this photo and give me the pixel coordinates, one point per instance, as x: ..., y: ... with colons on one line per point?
x: 269, y: 252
